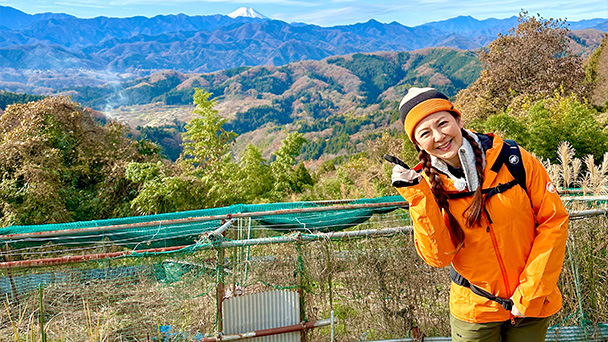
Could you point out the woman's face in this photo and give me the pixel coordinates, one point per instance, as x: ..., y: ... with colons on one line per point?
x: 440, y: 135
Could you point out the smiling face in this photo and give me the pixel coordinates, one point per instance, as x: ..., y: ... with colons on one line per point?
x: 440, y: 135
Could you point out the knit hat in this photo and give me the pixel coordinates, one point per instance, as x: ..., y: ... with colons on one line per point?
x: 419, y: 103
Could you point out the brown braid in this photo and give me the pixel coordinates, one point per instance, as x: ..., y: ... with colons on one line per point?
x: 475, y: 210
x: 456, y: 232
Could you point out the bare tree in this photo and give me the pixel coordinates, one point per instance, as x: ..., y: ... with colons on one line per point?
x: 531, y: 62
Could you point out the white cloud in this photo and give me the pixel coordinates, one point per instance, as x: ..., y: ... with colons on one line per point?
x: 83, y: 4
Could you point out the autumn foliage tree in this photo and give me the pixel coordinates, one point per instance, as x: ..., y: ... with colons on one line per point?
x: 57, y: 164
x: 532, y: 61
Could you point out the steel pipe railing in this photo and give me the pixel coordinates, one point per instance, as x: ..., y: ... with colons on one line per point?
x: 222, y: 244
x: 243, y: 243
x: 269, y: 332
x: 63, y: 232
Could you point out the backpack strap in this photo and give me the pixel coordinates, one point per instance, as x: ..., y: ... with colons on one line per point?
x: 458, y: 279
x: 489, y: 192
x: 510, y: 156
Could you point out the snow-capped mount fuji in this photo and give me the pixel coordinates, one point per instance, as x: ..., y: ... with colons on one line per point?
x: 247, y: 12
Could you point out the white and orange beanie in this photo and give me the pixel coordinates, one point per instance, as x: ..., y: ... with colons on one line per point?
x: 419, y: 103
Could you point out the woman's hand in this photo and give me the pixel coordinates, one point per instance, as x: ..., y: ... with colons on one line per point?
x: 403, y: 177
x: 515, y: 311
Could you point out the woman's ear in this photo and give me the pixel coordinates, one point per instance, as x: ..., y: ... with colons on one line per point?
x: 459, y: 122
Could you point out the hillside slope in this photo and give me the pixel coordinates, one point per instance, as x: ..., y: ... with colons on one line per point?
x: 598, y: 71
x: 337, y: 102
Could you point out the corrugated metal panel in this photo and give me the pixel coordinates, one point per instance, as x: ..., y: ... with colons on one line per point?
x: 262, y: 310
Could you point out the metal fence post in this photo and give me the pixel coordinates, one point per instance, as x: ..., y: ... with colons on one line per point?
x: 300, y: 282
x: 219, y: 276
x: 6, y: 258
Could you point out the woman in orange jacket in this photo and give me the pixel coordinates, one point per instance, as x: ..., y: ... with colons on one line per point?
x: 489, y: 210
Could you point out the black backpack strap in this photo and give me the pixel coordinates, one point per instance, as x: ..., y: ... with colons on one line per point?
x: 510, y: 156
x: 489, y: 192
x: 458, y: 279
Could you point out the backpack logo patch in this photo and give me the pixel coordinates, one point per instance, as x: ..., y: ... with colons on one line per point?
x: 551, y: 188
x: 513, y: 159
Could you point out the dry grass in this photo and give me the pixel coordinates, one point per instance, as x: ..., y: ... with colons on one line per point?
x: 120, y: 309
x: 595, y: 179
x: 153, y: 114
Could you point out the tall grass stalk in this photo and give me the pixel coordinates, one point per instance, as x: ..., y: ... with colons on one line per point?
x: 158, y: 329
x: 595, y: 179
x: 576, y: 170
x: 565, y: 155
x: 8, y: 312
x: 42, y: 332
x: 555, y: 174
x: 93, y: 333
x: 31, y: 330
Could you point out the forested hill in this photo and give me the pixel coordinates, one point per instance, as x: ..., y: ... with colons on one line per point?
x: 357, y: 78
x: 353, y: 96
x: 7, y: 98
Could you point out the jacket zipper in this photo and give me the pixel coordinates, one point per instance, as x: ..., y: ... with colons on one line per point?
x: 501, y: 264
x: 503, y: 271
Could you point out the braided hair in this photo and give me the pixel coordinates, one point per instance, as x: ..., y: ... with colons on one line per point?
x: 436, y: 183
x: 474, y: 211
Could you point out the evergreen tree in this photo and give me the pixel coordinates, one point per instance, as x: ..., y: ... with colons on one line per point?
x: 255, y: 175
x: 282, y: 166
x: 301, y: 178
x: 206, y: 144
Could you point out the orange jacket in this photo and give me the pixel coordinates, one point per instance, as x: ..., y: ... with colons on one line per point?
x: 519, y: 254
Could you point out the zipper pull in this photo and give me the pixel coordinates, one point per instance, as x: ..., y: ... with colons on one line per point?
x: 512, y: 318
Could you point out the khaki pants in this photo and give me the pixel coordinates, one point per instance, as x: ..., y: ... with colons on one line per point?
x: 524, y: 330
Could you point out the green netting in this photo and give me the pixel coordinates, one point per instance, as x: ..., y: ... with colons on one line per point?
x: 167, y: 233
x: 322, y: 221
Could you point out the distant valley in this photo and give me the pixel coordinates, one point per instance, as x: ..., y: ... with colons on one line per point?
x: 338, y: 103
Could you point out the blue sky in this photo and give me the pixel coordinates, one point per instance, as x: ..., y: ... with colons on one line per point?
x: 324, y: 12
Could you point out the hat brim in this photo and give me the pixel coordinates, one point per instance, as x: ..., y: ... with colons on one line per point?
x: 424, y: 109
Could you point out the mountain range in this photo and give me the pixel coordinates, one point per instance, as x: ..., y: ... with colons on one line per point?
x: 44, y: 52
